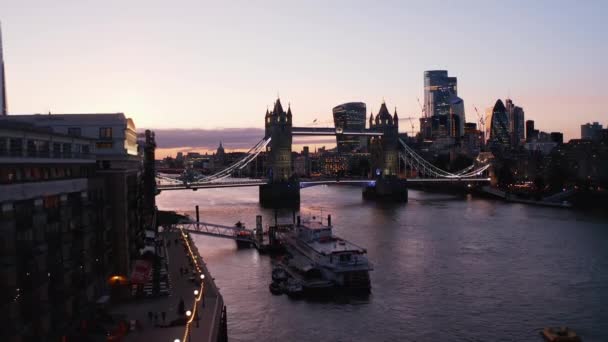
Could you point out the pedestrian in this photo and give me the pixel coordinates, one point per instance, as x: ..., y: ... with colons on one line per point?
x: 163, y: 315
x: 150, y: 316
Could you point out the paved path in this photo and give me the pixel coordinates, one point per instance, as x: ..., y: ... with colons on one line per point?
x: 181, y: 288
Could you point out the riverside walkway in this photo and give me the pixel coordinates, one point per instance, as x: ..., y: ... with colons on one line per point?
x: 206, y: 307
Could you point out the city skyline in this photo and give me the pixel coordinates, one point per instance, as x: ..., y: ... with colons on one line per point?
x: 175, y: 69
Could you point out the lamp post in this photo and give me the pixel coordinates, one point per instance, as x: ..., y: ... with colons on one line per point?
x: 196, y: 292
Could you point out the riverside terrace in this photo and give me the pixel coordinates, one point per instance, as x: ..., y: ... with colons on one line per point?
x: 203, y: 313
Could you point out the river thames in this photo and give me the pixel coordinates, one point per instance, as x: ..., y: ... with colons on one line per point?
x: 446, y: 268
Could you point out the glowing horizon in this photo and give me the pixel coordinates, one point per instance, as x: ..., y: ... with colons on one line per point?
x: 208, y: 65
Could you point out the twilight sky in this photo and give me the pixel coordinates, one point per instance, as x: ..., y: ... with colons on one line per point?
x: 218, y: 64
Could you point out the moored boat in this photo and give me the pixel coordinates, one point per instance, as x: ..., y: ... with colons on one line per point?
x: 275, y: 288
x: 562, y: 334
x: 323, y: 260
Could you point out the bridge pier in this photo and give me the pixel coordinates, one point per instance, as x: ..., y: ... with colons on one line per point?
x: 387, y: 189
x: 280, y: 195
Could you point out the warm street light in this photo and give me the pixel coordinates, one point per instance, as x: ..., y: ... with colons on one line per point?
x: 196, y: 292
x: 188, y: 313
x: 176, y: 340
x: 202, y: 276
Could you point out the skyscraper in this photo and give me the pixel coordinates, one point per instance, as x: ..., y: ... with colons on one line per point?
x: 439, y: 88
x: 499, y: 127
x: 350, y: 116
x: 516, y: 122
x: 3, y: 105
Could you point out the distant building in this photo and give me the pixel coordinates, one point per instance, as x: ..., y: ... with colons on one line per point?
x: 350, y: 116
x: 3, y: 99
x: 531, y: 133
x: 438, y: 90
x: 457, y: 118
x: 591, y: 131
x: 516, y: 123
x: 472, y: 139
x: 557, y: 137
x: 499, y: 137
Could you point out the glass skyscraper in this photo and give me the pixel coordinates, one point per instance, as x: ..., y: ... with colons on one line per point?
x: 350, y: 117
x: 516, y: 123
x: 499, y: 127
x: 439, y: 89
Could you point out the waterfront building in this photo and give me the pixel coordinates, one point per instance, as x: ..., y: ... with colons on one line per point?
x: 350, y: 116
x: 55, y: 231
x: 516, y: 123
x: 591, y: 131
x: 3, y: 100
x: 117, y: 162
x: 497, y: 122
x: 438, y: 89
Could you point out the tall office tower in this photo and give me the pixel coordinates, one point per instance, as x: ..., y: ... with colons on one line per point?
x: 499, y: 127
x: 531, y: 133
x: 3, y: 105
x: 438, y: 89
x: 456, y: 122
x: 516, y: 123
x: 350, y: 116
x: 591, y: 131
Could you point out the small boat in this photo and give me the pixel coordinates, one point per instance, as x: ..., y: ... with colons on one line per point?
x: 294, y: 288
x: 275, y: 288
x: 563, y: 334
x: 279, y: 274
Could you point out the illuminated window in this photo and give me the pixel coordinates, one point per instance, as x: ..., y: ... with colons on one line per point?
x: 102, y: 145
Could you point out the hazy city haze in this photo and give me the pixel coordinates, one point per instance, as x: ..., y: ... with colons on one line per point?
x: 202, y: 64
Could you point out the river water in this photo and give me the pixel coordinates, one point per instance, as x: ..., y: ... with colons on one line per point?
x: 446, y: 268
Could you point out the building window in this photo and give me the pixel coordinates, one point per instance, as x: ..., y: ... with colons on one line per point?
x: 56, y: 150
x: 105, y: 133
x: 74, y: 131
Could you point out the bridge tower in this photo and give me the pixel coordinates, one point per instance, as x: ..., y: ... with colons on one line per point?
x: 282, y: 188
x: 385, y: 158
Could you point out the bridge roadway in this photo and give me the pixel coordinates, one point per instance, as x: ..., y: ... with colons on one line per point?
x: 306, y: 184
x: 328, y: 131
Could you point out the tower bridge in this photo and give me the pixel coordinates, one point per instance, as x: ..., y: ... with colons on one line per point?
x: 281, y: 188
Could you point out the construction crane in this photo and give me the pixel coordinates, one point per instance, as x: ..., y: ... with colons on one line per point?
x: 482, y: 123
x: 422, y: 110
x: 410, y: 118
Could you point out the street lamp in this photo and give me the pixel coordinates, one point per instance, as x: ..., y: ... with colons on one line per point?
x: 176, y: 340
x: 196, y: 292
x: 188, y: 313
x: 202, y: 276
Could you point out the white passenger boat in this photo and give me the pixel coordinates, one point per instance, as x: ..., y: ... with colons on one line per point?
x: 318, y: 254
